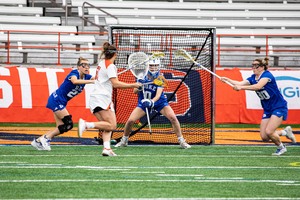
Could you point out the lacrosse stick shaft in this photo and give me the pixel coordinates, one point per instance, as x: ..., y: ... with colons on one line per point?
x: 147, y: 113
x: 187, y: 56
x: 216, y: 75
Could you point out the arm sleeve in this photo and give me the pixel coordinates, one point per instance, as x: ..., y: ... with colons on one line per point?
x: 251, y: 80
x: 112, y: 71
x: 73, y: 73
x: 267, y: 75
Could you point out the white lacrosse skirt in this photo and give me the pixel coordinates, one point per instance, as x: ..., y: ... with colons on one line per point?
x: 101, y: 96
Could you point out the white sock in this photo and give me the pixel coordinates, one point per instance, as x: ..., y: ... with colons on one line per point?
x: 281, y: 146
x: 125, y: 138
x: 283, y: 132
x: 89, y: 125
x: 106, y: 145
x: 180, y: 139
x: 46, y: 137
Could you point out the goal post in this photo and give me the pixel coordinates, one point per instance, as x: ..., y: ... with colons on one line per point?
x: 190, y: 91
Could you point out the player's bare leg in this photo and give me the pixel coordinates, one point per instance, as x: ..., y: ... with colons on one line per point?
x: 43, y: 142
x: 136, y: 114
x: 168, y: 112
x: 268, y: 132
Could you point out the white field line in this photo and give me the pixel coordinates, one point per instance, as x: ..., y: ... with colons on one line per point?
x: 144, y: 167
x: 245, y: 198
x: 110, y: 169
x: 180, y: 175
x: 142, y: 172
x: 28, y: 164
x: 288, y: 184
x: 166, y: 145
x: 149, y: 180
x: 167, y: 155
x: 245, y: 151
x: 217, y: 178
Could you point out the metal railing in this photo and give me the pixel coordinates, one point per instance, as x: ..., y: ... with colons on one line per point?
x: 285, y: 45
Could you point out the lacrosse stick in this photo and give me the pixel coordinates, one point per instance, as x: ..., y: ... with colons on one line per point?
x: 140, y: 71
x: 142, y: 60
x: 184, y: 54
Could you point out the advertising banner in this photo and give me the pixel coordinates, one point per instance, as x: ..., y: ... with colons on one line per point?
x: 24, y: 93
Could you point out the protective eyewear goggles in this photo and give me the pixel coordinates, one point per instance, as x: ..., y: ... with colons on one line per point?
x: 154, y: 65
x: 255, y: 66
x: 84, y: 65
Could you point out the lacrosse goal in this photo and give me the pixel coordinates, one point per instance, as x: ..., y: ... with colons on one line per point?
x: 190, y: 89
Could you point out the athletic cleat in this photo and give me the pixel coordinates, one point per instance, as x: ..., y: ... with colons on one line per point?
x: 37, y: 145
x: 279, y: 152
x: 184, y: 145
x: 290, y: 135
x: 81, y: 127
x: 122, y: 143
x: 45, y: 143
x: 108, y: 152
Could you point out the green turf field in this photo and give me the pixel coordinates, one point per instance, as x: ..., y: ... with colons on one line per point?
x: 79, y: 172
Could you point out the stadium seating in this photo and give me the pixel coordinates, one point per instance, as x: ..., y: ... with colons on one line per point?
x: 205, y: 23
x: 186, y: 5
x: 42, y: 38
x: 216, y: 14
x: 26, y: 31
x: 17, y: 19
x: 254, y: 18
x: 23, y: 28
x: 14, y: 2
x: 257, y: 31
x: 10, y: 10
x: 67, y: 43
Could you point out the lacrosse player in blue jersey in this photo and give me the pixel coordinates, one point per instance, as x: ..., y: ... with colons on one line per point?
x: 152, y: 98
x: 273, y: 103
x: 73, y: 85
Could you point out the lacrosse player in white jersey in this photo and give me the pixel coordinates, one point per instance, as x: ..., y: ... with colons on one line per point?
x: 273, y: 103
x: 154, y: 98
x: 101, y: 104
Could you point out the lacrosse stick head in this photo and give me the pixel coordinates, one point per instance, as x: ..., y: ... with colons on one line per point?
x: 137, y: 66
x: 182, y: 53
x: 157, y: 54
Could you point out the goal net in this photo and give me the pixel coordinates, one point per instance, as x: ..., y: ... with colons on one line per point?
x: 190, y: 90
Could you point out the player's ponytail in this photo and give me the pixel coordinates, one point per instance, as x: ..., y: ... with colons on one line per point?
x: 265, y: 63
x: 108, y: 51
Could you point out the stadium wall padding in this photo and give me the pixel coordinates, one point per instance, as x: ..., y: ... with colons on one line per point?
x: 24, y: 93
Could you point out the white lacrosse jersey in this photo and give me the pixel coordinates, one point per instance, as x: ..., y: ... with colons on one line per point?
x: 101, y: 96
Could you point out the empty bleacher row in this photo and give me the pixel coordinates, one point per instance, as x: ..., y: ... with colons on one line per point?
x: 231, y: 18
x: 28, y: 36
x: 19, y: 3
x: 241, y: 24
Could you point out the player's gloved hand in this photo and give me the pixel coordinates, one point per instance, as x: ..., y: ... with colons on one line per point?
x: 147, y: 103
x: 141, y: 81
x: 140, y: 88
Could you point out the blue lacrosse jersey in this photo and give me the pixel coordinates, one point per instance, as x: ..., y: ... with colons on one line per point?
x: 150, y: 92
x: 270, y: 96
x: 67, y: 90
